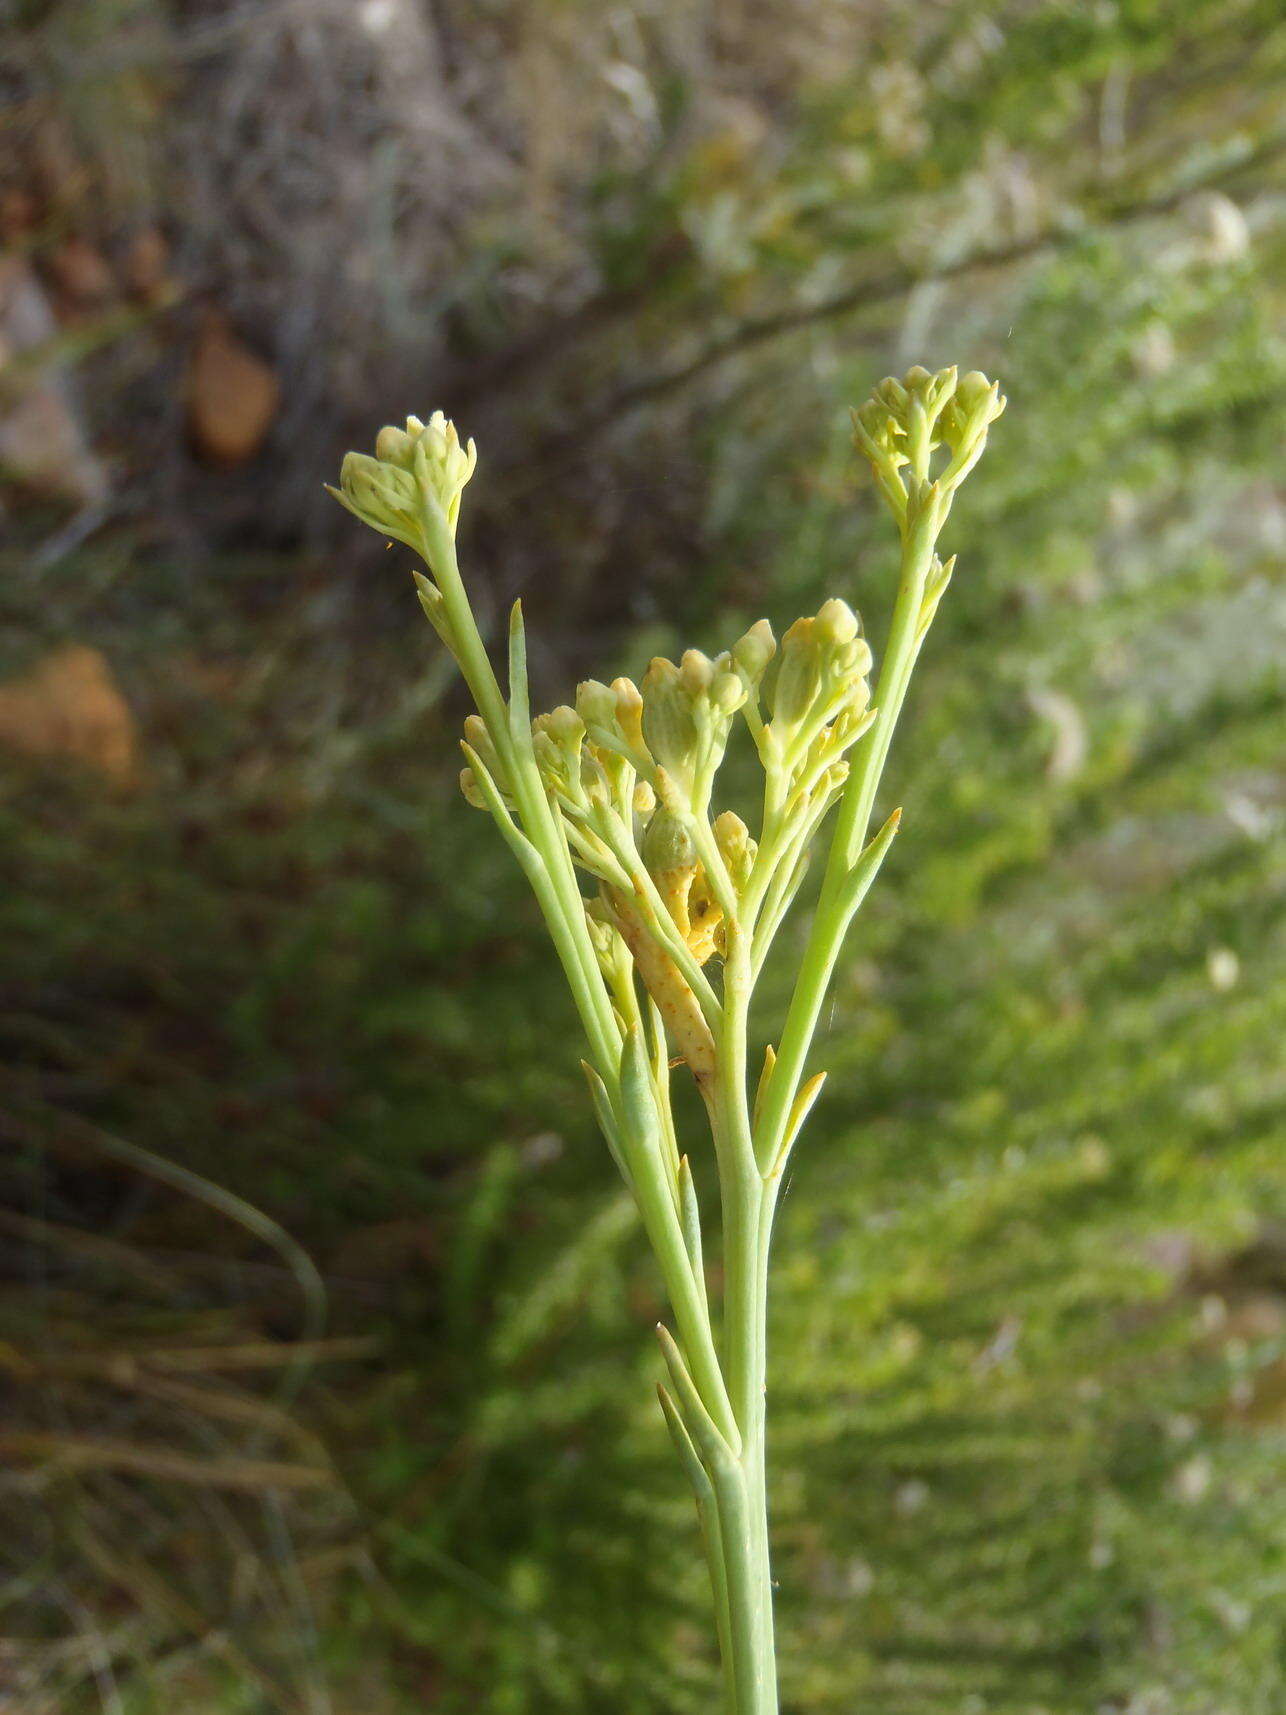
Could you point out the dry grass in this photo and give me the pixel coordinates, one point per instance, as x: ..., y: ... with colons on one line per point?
x: 168, y: 1510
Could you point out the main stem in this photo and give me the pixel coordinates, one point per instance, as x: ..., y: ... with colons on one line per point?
x: 748, y: 1191
x: 749, y: 1666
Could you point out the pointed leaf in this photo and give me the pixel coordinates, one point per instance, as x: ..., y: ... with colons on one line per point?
x: 690, y: 1218
x: 716, y: 1454
x: 519, y: 702
x: 867, y: 867
x: 606, y: 1118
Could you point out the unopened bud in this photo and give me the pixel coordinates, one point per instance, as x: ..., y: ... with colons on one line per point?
x: 873, y: 417
x: 668, y: 846
x: 836, y: 622
x: 556, y: 740
x: 396, y: 446
x: 755, y: 650
x: 854, y: 659
x: 736, y: 847
x: 695, y: 672
x: 602, y: 936
x: 977, y: 404
x: 797, y: 676
x: 478, y: 738
x: 564, y: 726
x: 381, y: 495
x: 947, y: 410
x: 728, y: 692
x: 668, y: 723
x: 596, y: 704
x: 629, y: 712
x: 440, y: 463
x: 972, y: 390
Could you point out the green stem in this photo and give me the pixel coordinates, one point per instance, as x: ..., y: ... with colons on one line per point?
x: 567, y: 919
x: 691, y: 1313
x: 835, y: 906
x: 750, y: 1674
x: 749, y: 1661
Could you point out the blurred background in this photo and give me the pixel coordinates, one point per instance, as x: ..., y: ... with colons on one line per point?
x: 325, y: 1327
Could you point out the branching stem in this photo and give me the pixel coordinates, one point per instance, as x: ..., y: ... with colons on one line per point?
x: 622, y: 785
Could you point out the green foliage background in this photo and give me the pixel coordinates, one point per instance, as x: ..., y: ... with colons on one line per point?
x: 1029, y: 1332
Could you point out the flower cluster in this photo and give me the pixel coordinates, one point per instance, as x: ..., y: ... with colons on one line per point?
x: 629, y: 773
x: 818, y: 692
x: 421, y: 466
x: 905, y: 422
x: 625, y: 778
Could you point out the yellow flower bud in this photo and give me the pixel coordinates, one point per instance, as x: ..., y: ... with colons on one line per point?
x: 670, y: 854
x: 604, y: 939
x: 557, y: 739
x: 396, y: 446
x: 977, y: 404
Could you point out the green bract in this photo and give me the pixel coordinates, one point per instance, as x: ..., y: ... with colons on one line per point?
x: 663, y: 910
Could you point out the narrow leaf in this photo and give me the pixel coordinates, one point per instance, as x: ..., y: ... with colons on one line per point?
x: 638, y: 1095
x: 689, y: 1458
x: 690, y: 1218
x: 519, y: 702
x: 707, y: 1512
x: 497, y: 806
x: 717, y: 1455
x: 799, y: 1112
x: 770, y: 1060
x: 430, y: 597
x: 867, y: 867
x: 606, y: 1118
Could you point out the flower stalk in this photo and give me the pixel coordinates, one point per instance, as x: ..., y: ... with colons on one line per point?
x: 663, y: 912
